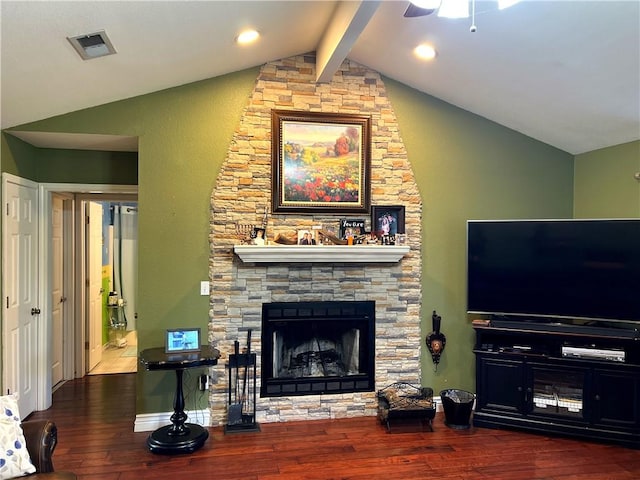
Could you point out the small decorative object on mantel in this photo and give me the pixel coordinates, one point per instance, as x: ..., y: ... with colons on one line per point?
x: 328, y: 238
x: 388, y: 239
x: 245, y: 232
x: 258, y: 236
x: 327, y: 231
x: 252, y: 234
x: 436, y: 340
x: 286, y: 238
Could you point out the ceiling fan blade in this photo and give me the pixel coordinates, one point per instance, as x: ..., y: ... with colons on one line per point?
x: 413, y: 11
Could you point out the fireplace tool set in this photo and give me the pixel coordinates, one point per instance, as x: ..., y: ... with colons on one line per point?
x: 242, y: 390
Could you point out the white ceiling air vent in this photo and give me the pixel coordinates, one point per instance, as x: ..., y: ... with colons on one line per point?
x: 92, y: 45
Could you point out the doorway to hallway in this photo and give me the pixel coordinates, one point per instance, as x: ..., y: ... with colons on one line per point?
x: 111, y: 328
x: 119, y: 359
x: 46, y: 297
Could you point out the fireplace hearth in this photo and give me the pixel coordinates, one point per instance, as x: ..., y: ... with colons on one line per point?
x: 311, y: 348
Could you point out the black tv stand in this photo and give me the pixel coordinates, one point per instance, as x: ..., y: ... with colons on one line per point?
x: 526, y: 380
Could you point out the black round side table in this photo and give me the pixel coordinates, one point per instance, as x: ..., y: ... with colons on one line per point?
x: 179, y: 437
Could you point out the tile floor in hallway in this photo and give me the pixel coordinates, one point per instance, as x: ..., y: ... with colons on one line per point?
x: 119, y: 359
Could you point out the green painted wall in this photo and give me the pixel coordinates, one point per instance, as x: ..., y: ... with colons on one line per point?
x: 183, y: 135
x: 49, y: 165
x: 17, y: 157
x: 605, y: 186
x: 466, y: 167
x: 118, y: 168
x: 469, y: 168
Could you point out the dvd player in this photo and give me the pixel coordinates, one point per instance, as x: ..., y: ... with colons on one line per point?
x: 612, y: 355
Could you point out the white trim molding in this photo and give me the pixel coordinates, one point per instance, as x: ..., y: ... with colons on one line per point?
x: 148, y: 422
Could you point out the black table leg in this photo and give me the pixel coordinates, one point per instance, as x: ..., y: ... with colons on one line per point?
x: 179, y: 437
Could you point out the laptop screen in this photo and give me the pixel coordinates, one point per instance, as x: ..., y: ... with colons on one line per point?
x: 180, y: 340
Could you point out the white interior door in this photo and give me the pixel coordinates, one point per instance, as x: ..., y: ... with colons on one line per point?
x: 58, y: 300
x: 94, y: 264
x: 20, y: 287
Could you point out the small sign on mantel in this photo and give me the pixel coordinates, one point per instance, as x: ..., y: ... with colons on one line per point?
x: 351, y: 228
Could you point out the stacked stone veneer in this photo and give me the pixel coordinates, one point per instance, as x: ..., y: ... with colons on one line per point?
x: 243, y: 190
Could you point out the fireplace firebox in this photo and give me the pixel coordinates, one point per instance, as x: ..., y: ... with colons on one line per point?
x: 312, y: 348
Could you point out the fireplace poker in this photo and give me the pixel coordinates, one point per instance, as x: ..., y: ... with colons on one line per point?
x: 235, y: 410
x: 246, y: 370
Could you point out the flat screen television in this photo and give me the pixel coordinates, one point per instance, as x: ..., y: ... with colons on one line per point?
x: 558, y: 269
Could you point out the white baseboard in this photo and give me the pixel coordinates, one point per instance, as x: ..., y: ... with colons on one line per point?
x: 148, y: 422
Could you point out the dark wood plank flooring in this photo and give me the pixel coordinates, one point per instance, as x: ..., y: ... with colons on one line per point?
x: 95, y: 417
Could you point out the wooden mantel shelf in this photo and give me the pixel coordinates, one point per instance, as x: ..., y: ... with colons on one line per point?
x: 321, y: 254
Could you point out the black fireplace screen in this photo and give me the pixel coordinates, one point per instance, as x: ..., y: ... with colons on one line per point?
x: 317, y: 347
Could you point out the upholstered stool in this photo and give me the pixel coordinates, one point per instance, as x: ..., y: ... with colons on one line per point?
x: 402, y: 402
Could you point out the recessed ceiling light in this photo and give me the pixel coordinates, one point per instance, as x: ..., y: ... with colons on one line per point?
x: 425, y: 52
x: 247, y: 37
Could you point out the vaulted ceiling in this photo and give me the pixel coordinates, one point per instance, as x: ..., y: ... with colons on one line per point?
x: 564, y: 72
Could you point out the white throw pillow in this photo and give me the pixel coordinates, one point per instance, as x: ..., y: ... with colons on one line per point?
x: 14, y: 457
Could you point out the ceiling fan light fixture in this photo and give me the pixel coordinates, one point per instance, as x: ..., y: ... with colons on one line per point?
x: 448, y: 8
x: 454, y: 9
x: 502, y: 4
x: 427, y: 4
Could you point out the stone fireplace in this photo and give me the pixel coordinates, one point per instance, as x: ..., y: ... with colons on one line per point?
x: 240, y: 289
x: 314, y: 348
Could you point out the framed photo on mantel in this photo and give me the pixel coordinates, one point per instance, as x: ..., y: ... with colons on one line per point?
x: 321, y: 162
x: 387, y: 220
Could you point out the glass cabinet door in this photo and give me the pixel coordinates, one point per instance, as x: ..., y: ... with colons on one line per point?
x: 558, y: 391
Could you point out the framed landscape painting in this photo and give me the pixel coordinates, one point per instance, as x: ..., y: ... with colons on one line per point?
x: 320, y: 162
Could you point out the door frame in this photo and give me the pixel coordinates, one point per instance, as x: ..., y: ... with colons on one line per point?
x: 75, y: 325
x: 82, y: 321
x: 68, y: 278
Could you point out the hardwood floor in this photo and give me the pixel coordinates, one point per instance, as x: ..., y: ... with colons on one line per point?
x: 95, y: 417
